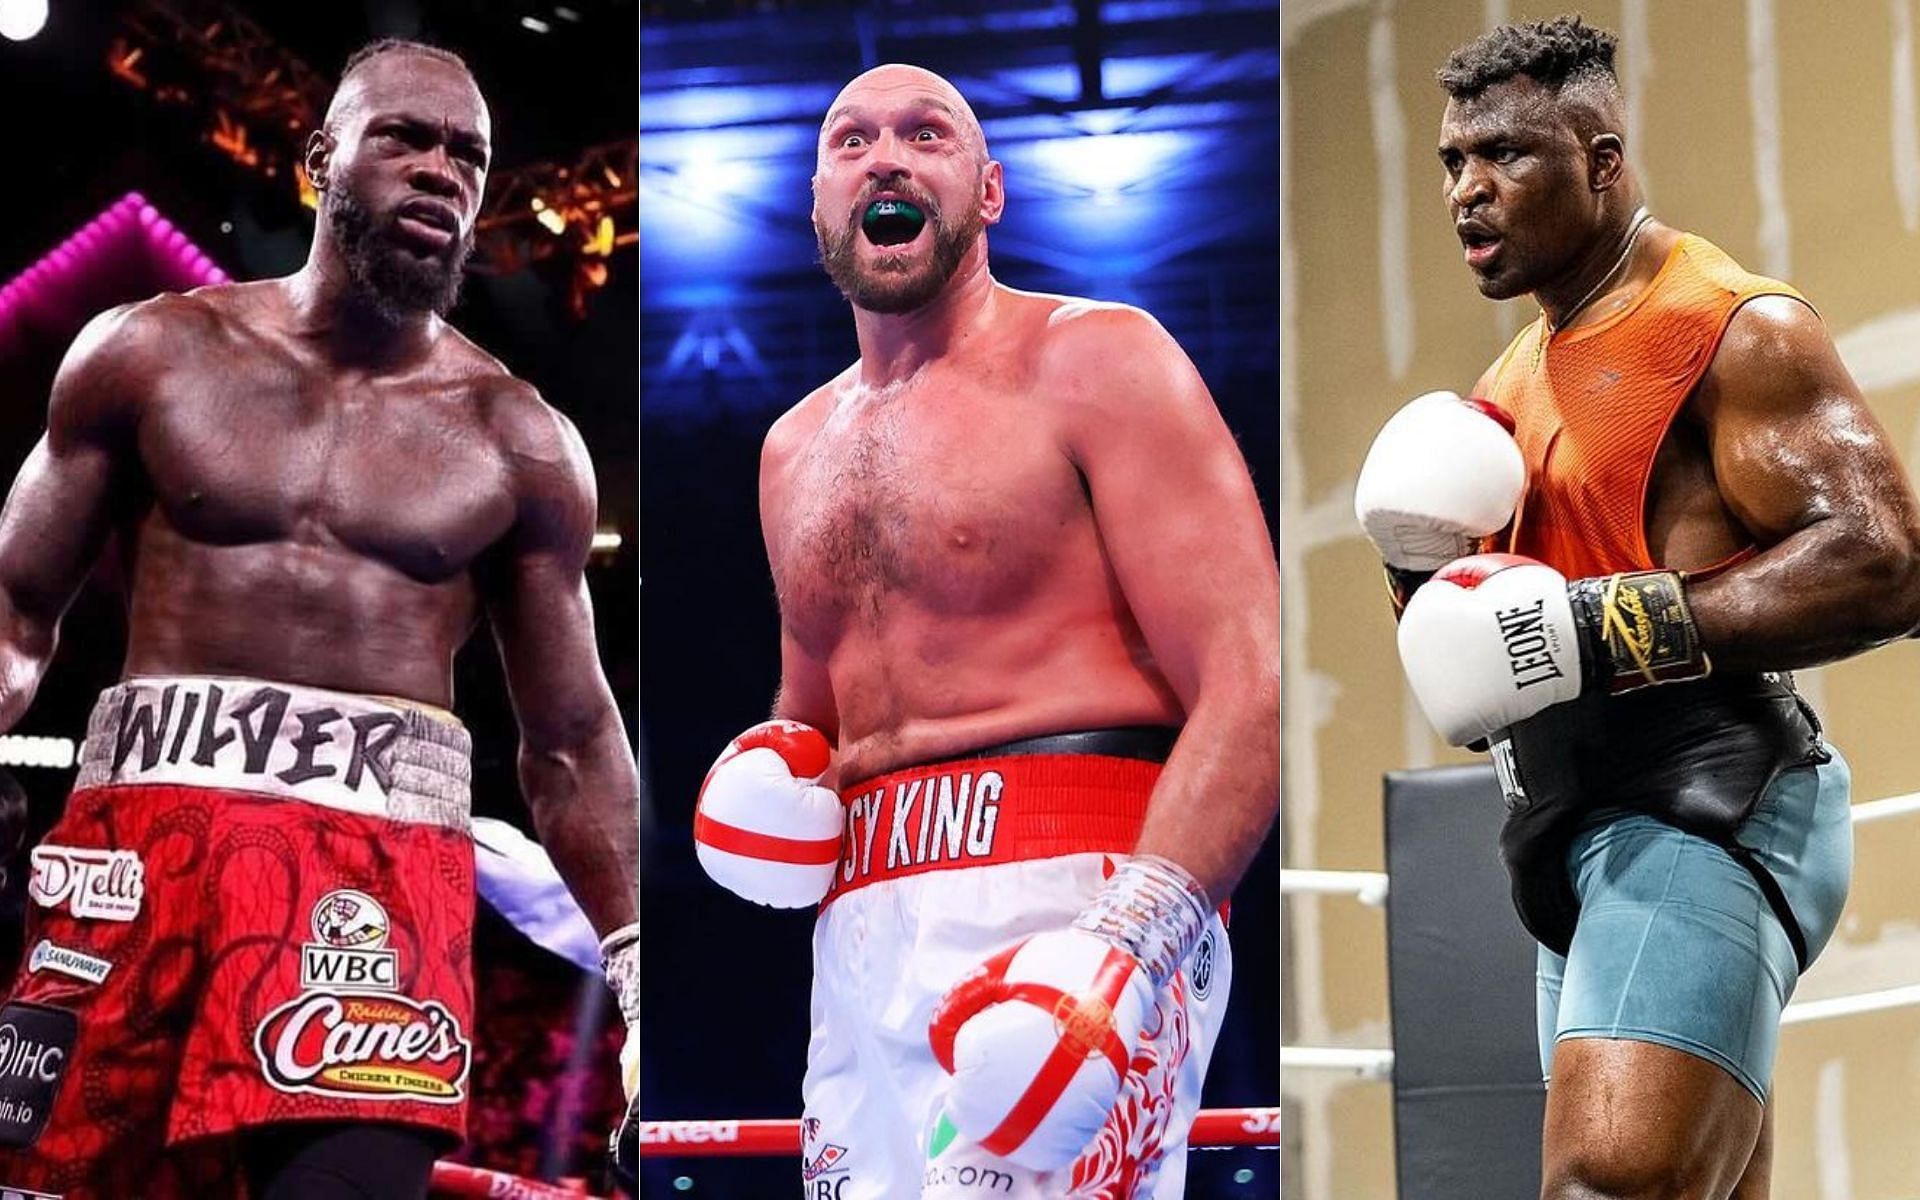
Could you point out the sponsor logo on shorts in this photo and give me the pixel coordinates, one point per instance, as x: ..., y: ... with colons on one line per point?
x: 251, y: 730
x: 35, y: 1043
x: 1200, y: 967
x: 364, y: 1047
x: 48, y: 957
x: 949, y: 817
x: 990, y: 1179
x: 818, y: 1156
x: 349, y: 947
x: 106, y: 885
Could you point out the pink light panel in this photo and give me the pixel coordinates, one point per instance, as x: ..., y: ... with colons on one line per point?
x: 128, y: 252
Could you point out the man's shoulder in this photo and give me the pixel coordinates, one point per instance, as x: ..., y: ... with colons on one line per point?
x: 157, y: 329
x: 796, y: 426
x: 1096, y: 338
x: 521, y: 421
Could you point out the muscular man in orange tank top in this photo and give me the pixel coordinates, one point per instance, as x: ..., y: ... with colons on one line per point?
x: 1674, y: 414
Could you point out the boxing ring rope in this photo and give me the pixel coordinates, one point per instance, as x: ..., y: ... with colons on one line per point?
x: 1370, y: 888
x: 457, y: 1181
x: 1213, y: 1129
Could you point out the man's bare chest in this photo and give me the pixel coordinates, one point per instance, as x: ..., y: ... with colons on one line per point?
x: 260, y: 454
x: 957, y: 507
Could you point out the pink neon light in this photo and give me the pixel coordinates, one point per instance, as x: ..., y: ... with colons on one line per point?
x: 128, y: 252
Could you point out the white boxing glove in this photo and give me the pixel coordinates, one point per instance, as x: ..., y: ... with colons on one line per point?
x: 1489, y: 641
x: 764, y: 828
x: 1442, y: 474
x: 1040, y: 1037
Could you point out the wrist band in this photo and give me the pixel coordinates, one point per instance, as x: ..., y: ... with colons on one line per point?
x: 1638, y: 630
x: 1154, y: 910
x: 620, y: 959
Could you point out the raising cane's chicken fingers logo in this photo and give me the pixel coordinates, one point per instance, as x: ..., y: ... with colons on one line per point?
x: 351, y: 1034
x: 364, y: 1048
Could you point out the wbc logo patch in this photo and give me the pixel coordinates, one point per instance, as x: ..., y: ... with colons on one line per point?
x: 349, y: 947
x: 350, y: 1034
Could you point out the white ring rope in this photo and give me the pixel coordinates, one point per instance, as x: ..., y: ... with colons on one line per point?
x: 1370, y: 888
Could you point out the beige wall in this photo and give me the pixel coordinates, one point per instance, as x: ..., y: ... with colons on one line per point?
x: 1786, y: 131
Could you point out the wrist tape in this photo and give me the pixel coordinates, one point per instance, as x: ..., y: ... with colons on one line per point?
x: 1154, y: 910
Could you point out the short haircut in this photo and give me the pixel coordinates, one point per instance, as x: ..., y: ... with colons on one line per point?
x: 392, y: 45
x: 1562, y: 52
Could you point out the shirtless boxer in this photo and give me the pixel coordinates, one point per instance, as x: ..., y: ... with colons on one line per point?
x: 1020, y: 564
x: 250, y: 939
x: 1695, y: 496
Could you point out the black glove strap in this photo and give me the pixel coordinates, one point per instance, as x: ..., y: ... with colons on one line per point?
x: 1636, y: 631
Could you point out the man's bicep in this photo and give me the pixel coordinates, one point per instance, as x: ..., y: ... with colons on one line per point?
x: 1792, y: 439
x: 1177, y: 511
x: 542, y: 620
x: 59, y: 510
x: 806, y: 693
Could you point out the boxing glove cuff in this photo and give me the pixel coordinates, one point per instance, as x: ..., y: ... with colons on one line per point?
x: 1154, y: 910
x: 620, y: 959
x: 1636, y: 631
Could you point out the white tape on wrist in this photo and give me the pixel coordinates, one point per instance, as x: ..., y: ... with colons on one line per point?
x: 1154, y: 910
x: 620, y: 959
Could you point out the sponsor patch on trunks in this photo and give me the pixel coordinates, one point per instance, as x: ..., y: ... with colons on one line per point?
x: 349, y: 947
x: 92, y: 884
x: 36, y: 1041
x: 1200, y: 966
x: 48, y: 957
x: 354, y: 1046
x: 818, y: 1156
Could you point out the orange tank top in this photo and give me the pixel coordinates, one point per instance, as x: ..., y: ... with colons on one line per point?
x: 1592, y: 405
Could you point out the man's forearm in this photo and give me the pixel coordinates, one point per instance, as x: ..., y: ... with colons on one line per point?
x: 1220, y: 791
x: 1826, y: 592
x: 585, y: 801
x: 26, y: 647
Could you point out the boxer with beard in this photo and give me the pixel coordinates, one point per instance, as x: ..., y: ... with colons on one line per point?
x: 1694, y: 499
x: 251, y: 929
x: 1029, y: 633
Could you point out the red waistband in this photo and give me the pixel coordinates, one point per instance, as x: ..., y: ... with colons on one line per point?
x: 980, y: 811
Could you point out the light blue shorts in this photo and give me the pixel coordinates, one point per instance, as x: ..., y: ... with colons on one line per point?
x: 1676, y: 945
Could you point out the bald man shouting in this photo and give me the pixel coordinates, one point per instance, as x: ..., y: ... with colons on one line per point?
x: 1029, y: 636
x: 250, y: 934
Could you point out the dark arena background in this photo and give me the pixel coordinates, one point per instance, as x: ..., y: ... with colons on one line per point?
x: 199, y: 108
x: 1141, y: 143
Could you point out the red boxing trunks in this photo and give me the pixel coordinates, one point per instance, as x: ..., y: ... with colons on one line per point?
x: 256, y: 908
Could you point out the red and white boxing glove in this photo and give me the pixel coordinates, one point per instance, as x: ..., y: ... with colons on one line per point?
x: 1495, y: 638
x: 1441, y: 475
x: 764, y: 828
x: 1039, y: 1037
x: 1489, y: 641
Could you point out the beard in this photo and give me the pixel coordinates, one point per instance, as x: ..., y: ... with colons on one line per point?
x: 395, y: 280
x: 894, y: 283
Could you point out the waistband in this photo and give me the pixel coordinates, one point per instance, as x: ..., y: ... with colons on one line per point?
x: 1008, y: 803
x: 371, y: 755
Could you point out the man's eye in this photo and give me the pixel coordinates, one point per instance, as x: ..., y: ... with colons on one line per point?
x: 926, y: 135
x: 853, y: 141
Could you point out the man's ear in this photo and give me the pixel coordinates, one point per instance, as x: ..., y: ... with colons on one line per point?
x: 318, y: 157
x: 1606, y: 161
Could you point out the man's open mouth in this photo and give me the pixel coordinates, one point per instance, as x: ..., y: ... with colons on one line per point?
x: 892, y: 222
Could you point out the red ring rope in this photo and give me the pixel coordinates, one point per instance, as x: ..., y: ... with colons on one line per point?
x: 1212, y: 1129
x: 455, y: 1181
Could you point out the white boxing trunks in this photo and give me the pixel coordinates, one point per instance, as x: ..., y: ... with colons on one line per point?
x: 943, y: 866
